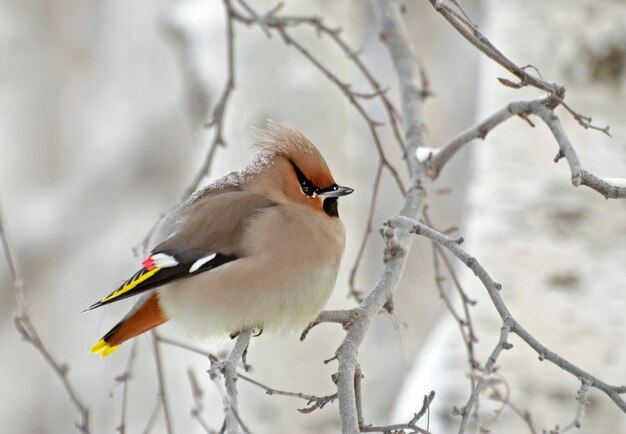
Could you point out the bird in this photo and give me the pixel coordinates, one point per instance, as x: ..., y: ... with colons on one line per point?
x: 256, y: 249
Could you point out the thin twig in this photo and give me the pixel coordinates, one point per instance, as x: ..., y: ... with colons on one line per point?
x: 579, y: 175
x: 471, y: 33
x: 465, y: 324
x: 502, y: 344
x: 354, y: 292
x: 29, y: 334
x: 162, y: 394
x: 462, y: 323
x: 466, y: 303
x: 198, y: 408
x: 280, y: 24
x: 219, y: 112
x: 314, y: 402
x: 410, y: 426
x: 581, y: 397
x: 125, y: 379
x: 185, y: 346
x: 354, y: 56
x: 609, y: 188
x: 510, y: 325
x: 523, y: 414
x: 153, y: 416
x: 217, y: 123
x: 480, y: 41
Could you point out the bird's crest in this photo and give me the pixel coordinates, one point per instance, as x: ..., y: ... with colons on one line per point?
x: 285, y: 140
x: 278, y: 138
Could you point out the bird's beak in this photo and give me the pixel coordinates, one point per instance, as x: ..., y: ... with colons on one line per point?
x: 334, y: 191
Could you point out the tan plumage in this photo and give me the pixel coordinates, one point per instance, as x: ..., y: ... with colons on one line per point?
x: 257, y: 248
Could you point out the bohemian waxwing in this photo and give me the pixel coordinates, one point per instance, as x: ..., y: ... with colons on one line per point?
x: 258, y: 248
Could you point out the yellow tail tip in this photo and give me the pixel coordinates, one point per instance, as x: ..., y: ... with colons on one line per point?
x: 102, y: 346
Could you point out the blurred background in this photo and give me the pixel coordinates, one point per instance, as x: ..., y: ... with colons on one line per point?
x: 102, y: 113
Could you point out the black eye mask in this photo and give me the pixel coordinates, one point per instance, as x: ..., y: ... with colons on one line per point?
x: 306, y: 185
x: 329, y: 194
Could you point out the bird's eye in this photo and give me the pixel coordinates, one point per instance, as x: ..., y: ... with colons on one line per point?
x: 308, y: 189
x: 306, y: 185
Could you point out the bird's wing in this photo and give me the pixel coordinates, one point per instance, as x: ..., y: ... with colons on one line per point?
x: 161, y: 268
x: 170, y: 223
x: 209, y: 236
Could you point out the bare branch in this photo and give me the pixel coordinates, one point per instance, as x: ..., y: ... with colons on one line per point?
x: 470, y: 32
x: 510, y: 325
x: 378, y: 91
x: 29, y: 334
x: 280, y: 24
x: 153, y: 416
x: 198, y: 407
x: 523, y: 414
x: 397, y: 242
x: 231, y: 417
x: 581, y: 397
x: 392, y: 34
x: 354, y: 292
x: 185, y: 346
x: 228, y: 389
x: 257, y: 18
x: 314, y: 402
x: 465, y: 324
x: 125, y: 379
x: 344, y: 317
x: 410, y: 426
x: 609, y: 188
x: 480, y: 131
x: 219, y: 112
x: 502, y: 344
x: 162, y: 394
x: 217, y: 122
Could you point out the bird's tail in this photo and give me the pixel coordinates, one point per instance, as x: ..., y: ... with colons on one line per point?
x: 140, y: 320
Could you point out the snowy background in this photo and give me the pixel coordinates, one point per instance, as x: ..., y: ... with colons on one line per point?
x: 101, y: 113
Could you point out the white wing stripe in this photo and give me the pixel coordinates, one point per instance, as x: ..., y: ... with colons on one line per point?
x: 162, y: 260
x: 200, y: 262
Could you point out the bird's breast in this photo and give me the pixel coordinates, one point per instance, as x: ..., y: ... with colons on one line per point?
x: 283, y: 280
x: 297, y: 235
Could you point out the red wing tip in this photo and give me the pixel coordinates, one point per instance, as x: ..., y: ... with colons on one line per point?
x: 148, y: 263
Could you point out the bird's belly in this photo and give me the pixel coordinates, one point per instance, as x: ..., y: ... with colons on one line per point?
x: 243, y: 295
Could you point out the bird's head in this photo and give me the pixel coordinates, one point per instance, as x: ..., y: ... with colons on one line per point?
x: 297, y: 172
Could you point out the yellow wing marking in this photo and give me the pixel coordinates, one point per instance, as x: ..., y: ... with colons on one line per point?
x: 102, y: 346
x: 130, y: 285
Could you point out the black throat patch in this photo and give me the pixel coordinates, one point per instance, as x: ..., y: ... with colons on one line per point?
x: 330, y: 207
